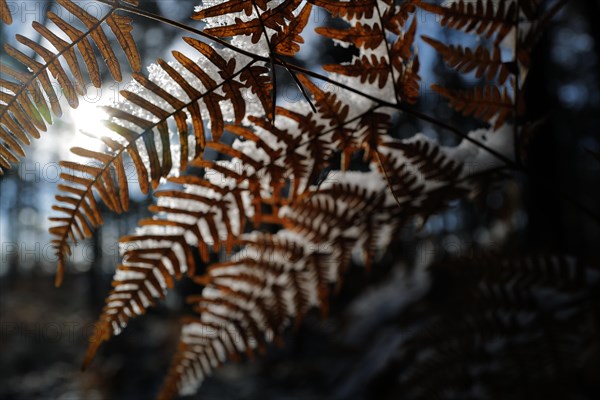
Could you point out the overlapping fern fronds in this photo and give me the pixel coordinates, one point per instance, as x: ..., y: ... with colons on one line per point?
x: 289, y: 226
x: 268, y: 176
x: 29, y: 98
x: 273, y: 280
x: 135, y: 123
x: 524, y: 326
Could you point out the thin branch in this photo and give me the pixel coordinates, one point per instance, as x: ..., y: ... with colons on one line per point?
x: 271, y: 59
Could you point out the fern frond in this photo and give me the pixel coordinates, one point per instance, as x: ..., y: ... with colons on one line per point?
x: 372, y: 128
x: 269, y: 166
x: 320, y: 230
x: 257, y: 79
x: 400, y: 61
x: 487, y: 103
x: 245, y: 297
x: 287, y: 42
x: 252, y: 287
x: 229, y: 7
x: 367, y: 18
x: 332, y: 109
x: 275, y: 175
x: 484, y: 17
x: 369, y: 69
x: 521, y: 320
x: 429, y: 159
x: 28, y: 98
x: 523, y: 20
x: 465, y: 60
x: 136, y: 122
x: 5, y: 15
x: 350, y: 10
x: 214, y: 210
x: 406, y: 62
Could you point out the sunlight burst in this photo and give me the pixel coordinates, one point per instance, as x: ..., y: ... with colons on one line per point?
x: 87, y: 125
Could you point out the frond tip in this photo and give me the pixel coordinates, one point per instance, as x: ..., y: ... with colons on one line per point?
x: 141, y: 131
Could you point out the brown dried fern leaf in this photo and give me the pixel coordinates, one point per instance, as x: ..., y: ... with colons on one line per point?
x: 485, y: 63
x: 334, y: 110
x: 483, y: 17
x: 5, y: 15
x: 431, y: 162
x: 513, y: 310
x: 29, y: 96
x: 219, y: 199
x: 247, y: 292
x: 209, y: 340
x: 231, y: 6
x: 488, y: 103
x: 367, y: 69
x: 407, y: 65
x: 361, y: 35
x: 370, y: 35
x: 287, y: 42
x: 396, y: 16
x: 280, y: 18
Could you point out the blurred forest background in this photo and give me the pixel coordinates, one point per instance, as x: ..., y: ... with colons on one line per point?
x: 44, y: 331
